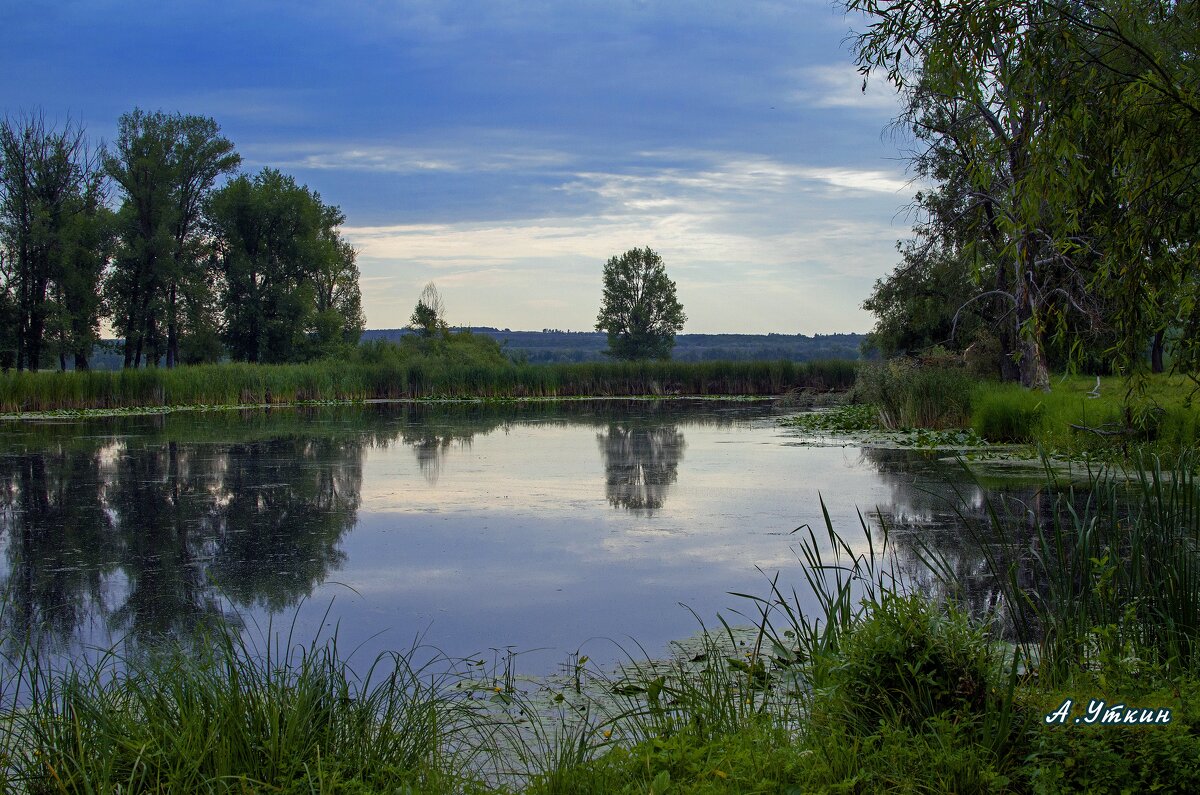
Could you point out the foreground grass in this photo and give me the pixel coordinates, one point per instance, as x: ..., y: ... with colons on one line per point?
x: 880, y: 689
x: 414, y: 377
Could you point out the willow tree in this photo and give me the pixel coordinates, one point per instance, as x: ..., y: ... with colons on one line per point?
x: 1141, y: 114
x: 985, y: 80
x: 1086, y: 162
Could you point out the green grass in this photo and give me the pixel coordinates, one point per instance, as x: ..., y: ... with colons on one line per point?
x: 1069, y: 419
x: 219, y: 716
x: 1078, y: 416
x: 404, y: 377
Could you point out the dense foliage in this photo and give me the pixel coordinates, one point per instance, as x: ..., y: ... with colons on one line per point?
x: 639, y: 312
x: 55, y: 238
x: 185, y: 271
x: 290, y: 283
x: 1060, y: 141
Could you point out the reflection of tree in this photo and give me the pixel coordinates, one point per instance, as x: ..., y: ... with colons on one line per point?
x: 157, y: 497
x: 171, y: 532
x: 938, y: 511
x: 430, y: 444
x: 283, y: 508
x: 58, y: 538
x: 640, y: 464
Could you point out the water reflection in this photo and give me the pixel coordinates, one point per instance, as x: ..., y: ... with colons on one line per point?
x: 938, y: 511
x: 59, y: 539
x: 282, y: 509
x: 145, y: 528
x: 641, y: 462
x: 157, y: 538
x: 430, y: 446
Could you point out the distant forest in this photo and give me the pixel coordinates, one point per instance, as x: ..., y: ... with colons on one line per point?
x: 553, y: 345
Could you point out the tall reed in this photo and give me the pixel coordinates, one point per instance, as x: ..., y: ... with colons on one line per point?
x: 912, y: 395
x: 1111, y: 582
x: 407, y: 378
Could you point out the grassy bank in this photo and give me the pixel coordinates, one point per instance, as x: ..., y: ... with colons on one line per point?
x: 415, y: 377
x: 1079, y: 414
x: 881, y: 689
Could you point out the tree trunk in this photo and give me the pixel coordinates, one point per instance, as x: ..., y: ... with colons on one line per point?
x: 33, y: 346
x: 130, y: 334
x: 1035, y: 371
x: 172, y: 328
x: 81, y: 361
x: 1156, y: 351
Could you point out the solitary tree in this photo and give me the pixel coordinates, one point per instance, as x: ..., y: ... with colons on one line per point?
x: 429, y: 316
x: 640, y: 312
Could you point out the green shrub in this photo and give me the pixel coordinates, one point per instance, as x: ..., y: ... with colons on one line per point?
x: 909, y: 661
x: 909, y: 394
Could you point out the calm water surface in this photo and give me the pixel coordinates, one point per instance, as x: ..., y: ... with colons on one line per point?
x: 544, y: 528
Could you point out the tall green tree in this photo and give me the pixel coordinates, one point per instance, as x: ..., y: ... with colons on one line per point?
x: 639, y: 311
x: 288, y: 280
x: 1088, y: 160
x: 166, y: 165
x: 984, y: 82
x: 53, y: 231
x: 339, y: 320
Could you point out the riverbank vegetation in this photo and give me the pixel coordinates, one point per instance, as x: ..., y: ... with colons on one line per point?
x: 456, y: 365
x: 1078, y: 414
x: 888, y: 685
x: 1058, y: 145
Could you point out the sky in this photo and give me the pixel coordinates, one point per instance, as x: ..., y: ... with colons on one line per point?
x: 505, y: 150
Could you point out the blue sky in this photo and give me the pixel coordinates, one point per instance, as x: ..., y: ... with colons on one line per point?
x: 505, y: 150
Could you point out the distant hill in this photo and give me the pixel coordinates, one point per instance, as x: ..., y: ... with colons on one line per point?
x: 552, y: 345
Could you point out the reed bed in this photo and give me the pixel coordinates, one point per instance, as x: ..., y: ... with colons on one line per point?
x: 255, y: 384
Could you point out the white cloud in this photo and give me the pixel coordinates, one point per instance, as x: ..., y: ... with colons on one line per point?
x: 841, y: 86
x: 800, y: 244
x: 472, y: 156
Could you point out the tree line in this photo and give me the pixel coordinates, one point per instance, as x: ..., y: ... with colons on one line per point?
x: 188, y: 260
x: 1061, y: 143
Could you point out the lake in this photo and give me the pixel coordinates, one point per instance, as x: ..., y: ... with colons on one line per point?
x: 544, y: 528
